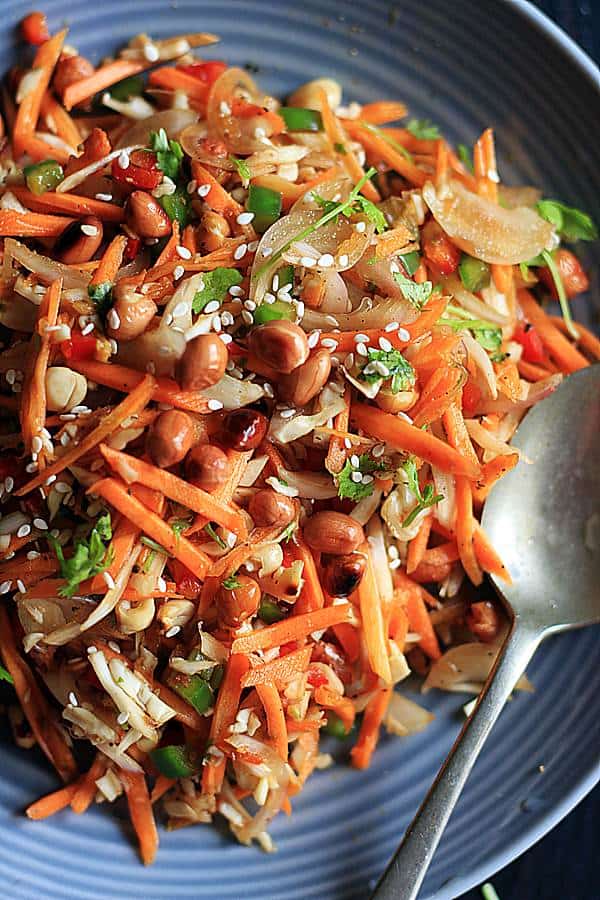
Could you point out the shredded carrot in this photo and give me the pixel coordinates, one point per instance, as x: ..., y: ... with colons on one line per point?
x: 438, y: 394
x: 392, y: 241
x: 134, y: 403
x: 491, y: 472
x: 140, y: 811
x: 238, y: 460
x: 418, y: 545
x: 456, y: 432
x: 465, y: 526
x: 171, y: 79
x: 279, y: 670
x: 378, y: 149
x: 484, y: 165
x: 217, y: 198
x: 294, y: 628
x: 342, y: 151
x: 418, y: 618
x: 70, y: 204
x: 86, y: 789
x: 226, y: 707
x: 95, y: 147
x: 368, y: 736
x: 271, y: 701
x: 406, y: 437
x: 587, y: 339
x: 104, y: 77
x: 560, y: 349
x: 117, y: 494
x: 507, y: 379
x: 29, y: 109
x: 169, y: 251
x: 110, y: 262
x: 341, y: 706
x: 348, y: 638
x: 372, y: 615
x: 59, y: 121
x: 30, y: 224
x: 336, y: 454
x: 533, y: 372
x: 52, y: 803
x: 383, y: 111
x: 311, y: 596
x: 487, y: 557
x: 131, y: 469
x: 161, y: 786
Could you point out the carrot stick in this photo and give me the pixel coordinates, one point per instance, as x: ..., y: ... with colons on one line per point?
x: 337, y: 139
x: 102, y: 78
x: 59, y: 121
x: 52, y: 803
x: 342, y: 706
x: 123, y: 379
x: 456, y: 432
x: 70, y: 204
x: 134, y: 403
x: 217, y: 198
x: 280, y: 670
x: 171, y: 79
x: 348, y: 638
x: 311, y: 596
x: 36, y: 708
x: 33, y: 405
x: 491, y: 472
x: 465, y: 526
x: 30, y: 224
x: 376, y: 708
x: 271, y: 701
x: 487, y: 557
x: 336, y: 454
x: 392, y: 241
x: 437, y: 395
x: 142, y: 816
x: 295, y: 628
x: 95, y: 147
x: 406, y: 437
x: 418, y: 545
x: 377, y: 148
x: 587, y: 339
x: 169, y: 251
x: 291, y: 192
x: 238, y: 462
x: 132, y: 469
x: 86, y: 790
x: 531, y: 371
x: 383, y: 111
x: 30, y: 571
x: 29, y: 109
x: 567, y: 357
x: 420, y: 623
x: 110, y: 262
x: 371, y: 613
x: 161, y: 786
x: 117, y: 494
x: 226, y: 707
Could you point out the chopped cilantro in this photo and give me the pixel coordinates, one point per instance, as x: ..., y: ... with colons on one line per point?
x: 90, y: 556
x: 560, y: 291
x: 466, y: 157
x: 177, y: 206
x: 231, y: 583
x: 210, y: 530
x: 286, y: 535
x: 410, y: 261
x: 571, y: 224
x: 242, y: 167
x: 488, y: 891
x: 486, y: 333
x: 417, y: 294
x: 6, y: 676
x: 498, y: 357
x: 101, y: 294
x: 373, y: 214
x: 168, y: 153
x: 423, y: 129
x: 391, y: 362
x: 358, y: 490
x: 215, y: 287
x: 425, y: 499
x: 340, y: 148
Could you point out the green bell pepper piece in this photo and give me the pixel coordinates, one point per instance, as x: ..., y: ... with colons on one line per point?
x: 266, y: 206
x: 474, y: 273
x: 43, y: 176
x: 176, y: 761
x: 298, y: 119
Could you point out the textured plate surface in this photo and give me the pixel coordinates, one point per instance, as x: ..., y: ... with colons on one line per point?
x: 464, y: 66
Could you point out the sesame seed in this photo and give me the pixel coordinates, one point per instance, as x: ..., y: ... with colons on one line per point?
x: 235, y: 290
x: 325, y: 260
x: 268, y: 389
x: 361, y: 349
x: 161, y: 584
x: 40, y: 524
x: 226, y: 318
x: 403, y: 334
x: 91, y: 650
x: 252, y: 246
x: 108, y: 580
x: 183, y: 252
x: 123, y: 160
x: 123, y: 718
x: 269, y: 298
x: 360, y: 227
x: 81, y: 410
x: 385, y: 344
x: 347, y: 443
x: 245, y: 218
x: 87, y: 328
x: 329, y: 344
x: 349, y: 360
x: 394, y: 267
x: 343, y: 260
x: 367, y: 479
x: 5, y: 587
x: 224, y: 108
x: 407, y: 418
x: 361, y: 338
x: 72, y: 699
x: 307, y: 261
x: 216, y: 323
x: 287, y: 413
x: 395, y: 564
x: 9, y: 483
x: 11, y: 376
x: 173, y: 631
x: 313, y: 339
x: 240, y: 251
x: 24, y: 531
x: 378, y: 451
x: 21, y: 587
x: 90, y: 230
x: 267, y: 251
x: 31, y: 467
x: 226, y: 338
x: 356, y: 477
x: 381, y: 369
x: 250, y: 304
x: 106, y: 198
x: 247, y: 317
x: 151, y: 52
x: 354, y: 461
x: 113, y: 319
x: 215, y: 405
x: 212, y: 307
x: 114, y: 347
x: 178, y: 272
x: 64, y: 439
x: 275, y: 283
x: 33, y: 554
x: 391, y: 326
x: 203, y: 190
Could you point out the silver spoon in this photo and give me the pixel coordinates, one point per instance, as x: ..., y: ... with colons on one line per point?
x: 544, y: 520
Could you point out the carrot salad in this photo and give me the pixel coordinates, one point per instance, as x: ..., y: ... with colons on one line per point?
x: 261, y: 363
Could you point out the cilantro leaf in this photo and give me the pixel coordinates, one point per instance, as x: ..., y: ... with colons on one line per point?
x: 90, y: 556
x: 423, y: 129
x: 417, y: 294
x: 168, y: 153
x: 391, y: 362
x: 101, y: 294
x: 571, y: 224
x: 425, y: 499
x: 340, y: 148
x: 231, y: 583
x: 466, y: 157
x: 243, y: 169
x: 373, y: 214
x: 410, y: 261
x: 326, y: 205
x: 6, y: 676
x: 358, y: 490
x: 291, y: 528
x: 486, y: 333
x: 215, y: 287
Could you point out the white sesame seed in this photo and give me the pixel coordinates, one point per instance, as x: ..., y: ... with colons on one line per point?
x: 87, y: 328
x: 9, y: 483
x: 395, y: 564
x: 33, y: 554
x: 235, y: 290
x: 123, y: 718
x: 215, y: 405
x: 161, y: 584
x: 72, y: 699
x: 349, y: 360
x: 325, y: 260
x: 226, y: 338
x: 267, y: 251
x: 329, y: 344
x: 381, y: 369
x: 151, y: 52
x: 108, y: 580
x: 81, y: 410
x: 245, y: 218
x: 385, y: 344
x: 172, y: 631
x: 287, y: 413
x: 354, y: 461
x: 252, y: 246
x: 203, y: 190
x: 114, y: 347
x: 23, y: 531
x: 64, y: 439
x: 361, y: 338
x: 307, y: 261
x: 343, y: 260
x: 268, y: 389
x: 11, y: 376
x: 90, y: 230
x: 113, y: 319
x: 5, y: 587
x: 394, y: 267
x: 31, y: 467
x: 367, y: 479
x: 178, y: 272
x: 250, y: 305
x: 216, y: 323
x: 391, y: 326
x: 183, y: 252
x: 240, y: 251
x: 407, y: 418
x: 403, y: 334
x: 212, y: 307
x: 21, y: 587
x: 91, y: 650
x: 106, y: 198
x: 313, y: 339
x: 378, y: 451
x: 247, y: 317
x: 40, y: 524
x: 224, y: 108
x: 360, y: 227
x: 361, y: 349
x: 123, y: 160
x: 356, y: 477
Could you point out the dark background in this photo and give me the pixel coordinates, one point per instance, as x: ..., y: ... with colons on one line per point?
x: 564, y: 865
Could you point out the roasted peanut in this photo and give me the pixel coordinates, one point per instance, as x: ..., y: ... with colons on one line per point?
x: 70, y: 69
x: 483, y: 621
x: 170, y: 438
x: 207, y: 467
x: 239, y: 603
x: 333, y: 532
x: 306, y: 381
x: 203, y: 363
x: 398, y: 402
x: 64, y: 389
x: 308, y: 95
x: 244, y: 429
x: 79, y: 241
x: 343, y: 574
x: 267, y: 507
x: 213, y: 230
x: 146, y: 216
x: 130, y: 316
x: 280, y: 344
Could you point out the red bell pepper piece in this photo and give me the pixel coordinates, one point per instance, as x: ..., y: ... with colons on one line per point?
x: 207, y: 72
x: 533, y: 349
x: 142, y: 172
x: 34, y: 29
x: 79, y: 346
x: 439, y: 249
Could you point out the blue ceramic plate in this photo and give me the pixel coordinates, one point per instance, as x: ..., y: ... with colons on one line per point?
x: 463, y: 65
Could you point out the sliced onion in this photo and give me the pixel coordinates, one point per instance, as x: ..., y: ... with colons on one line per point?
x: 233, y: 393
x: 487, y: 440
x: 365, y: 508
x: 535, y: 393
x: 312, y: 485
x: 380, y: 558
x: 464, y: 669
x: 172, y: 120
x: 381, y: 274
x: 47, y: 269
x: 232, y: 83
x: 485, y: 230
x: 482, y: 362
x: 285, y: 583
x: 285, y: 430
x: 404, y: 717
x: 464, y: 298
x: 445, y: 510
x: 80, y: 176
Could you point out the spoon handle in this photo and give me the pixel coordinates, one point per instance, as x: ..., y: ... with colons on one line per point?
x: 406, y: 871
